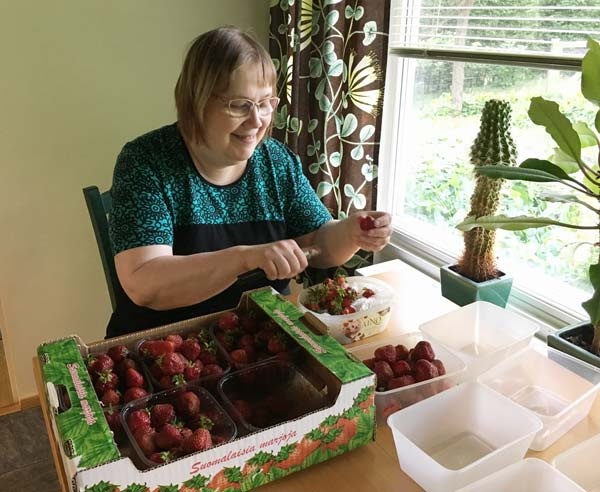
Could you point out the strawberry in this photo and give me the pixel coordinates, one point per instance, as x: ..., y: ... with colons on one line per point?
x: 145, y: 439
x: 122, y: 366
x: 239, y: 357
x: 367, y: 223
x: 277, y: 343
x: 248, y: 322
x: 133, y: 378
x: 212, y: 370
x: 368, y: 292
x: 209, y: 353
x: 133, y: 394
x: 113, y: 419
x: 193, y: 370
x: 201, y: 422
x: 187, y: 404
x: 425, y: 370
x: 400, y: 368
x: 401, y: 352
x: 244, y: 408
x: 386, y: 353
x: 156, y: 348
x: 383, y: 372
x: 107, y: 380
x: 175, y: 339
x: 439, y: 366
x: 227, y: 479
x: 423, y: 350
x: 400, y: 381
x: 161, y: 414
x: 111, y: 397
x: 118, y: 353
x: 370, y: 363
x: 228, y: 321
x: 198, y: 441
x: 139, y: 419
x: 191, y: 349
x: 162, y: 457
x: 169, y: 437
x: 100, y: 363
x: 171, y: 364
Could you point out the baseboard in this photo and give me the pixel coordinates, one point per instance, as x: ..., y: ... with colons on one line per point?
x: 23, y: 404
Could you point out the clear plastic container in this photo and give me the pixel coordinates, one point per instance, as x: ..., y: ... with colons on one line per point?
x: 224, y: 429
x: 210, y: 381
x: 531, y: 474
x: 461, y: 435
x: 268, y: 393
x: 371, y: 317
x: 481, y: 333
x: 580, y: 465
x: 387, y: 402
x: 558, y: 388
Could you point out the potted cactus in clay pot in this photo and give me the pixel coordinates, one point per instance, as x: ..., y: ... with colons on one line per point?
x: 476, y: 275
x: 577, y: 172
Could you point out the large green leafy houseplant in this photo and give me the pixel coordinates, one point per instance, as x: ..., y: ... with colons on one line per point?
x: 569, y: 169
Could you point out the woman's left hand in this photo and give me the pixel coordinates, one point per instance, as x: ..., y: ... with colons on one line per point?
x: 370, y: 230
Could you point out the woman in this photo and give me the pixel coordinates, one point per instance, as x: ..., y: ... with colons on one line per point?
x: 202, y: 201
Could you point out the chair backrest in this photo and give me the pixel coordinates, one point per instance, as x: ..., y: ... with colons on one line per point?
x: 99, y: 206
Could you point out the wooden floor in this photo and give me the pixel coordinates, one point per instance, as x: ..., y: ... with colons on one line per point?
x: 5, y: 392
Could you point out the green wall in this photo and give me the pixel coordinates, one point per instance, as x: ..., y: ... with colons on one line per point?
x: 78, y: 79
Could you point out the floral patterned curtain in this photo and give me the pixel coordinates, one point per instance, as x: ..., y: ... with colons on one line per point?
x: 330, y: 57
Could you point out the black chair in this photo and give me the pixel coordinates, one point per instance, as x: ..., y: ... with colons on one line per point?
x: 99, y: 206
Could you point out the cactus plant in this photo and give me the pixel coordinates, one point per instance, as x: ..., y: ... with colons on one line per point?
x: 570, y: 169
x: 493, y: 146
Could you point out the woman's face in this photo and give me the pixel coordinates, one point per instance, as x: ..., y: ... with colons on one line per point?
x: 231, y: 140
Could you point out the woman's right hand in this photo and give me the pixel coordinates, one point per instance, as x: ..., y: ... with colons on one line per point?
x: 279, y: 260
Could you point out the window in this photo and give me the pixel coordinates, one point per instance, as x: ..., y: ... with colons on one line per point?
x: 447, y: 57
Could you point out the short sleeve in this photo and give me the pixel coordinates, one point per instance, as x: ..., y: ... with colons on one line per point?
x: 140, y: 216
x: 306, y: 213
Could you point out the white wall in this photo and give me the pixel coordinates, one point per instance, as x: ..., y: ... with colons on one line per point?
x: 77, y: 80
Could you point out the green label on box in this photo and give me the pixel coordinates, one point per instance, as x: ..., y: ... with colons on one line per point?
x: 326, y: 349
x: 83, y: 430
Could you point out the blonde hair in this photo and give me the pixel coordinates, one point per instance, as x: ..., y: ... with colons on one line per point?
x: 208, y: 64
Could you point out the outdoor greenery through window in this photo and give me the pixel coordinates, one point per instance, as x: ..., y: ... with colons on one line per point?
x: 447, y: 57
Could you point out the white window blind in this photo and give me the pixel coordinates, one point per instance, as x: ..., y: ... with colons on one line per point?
x: 505, y: 29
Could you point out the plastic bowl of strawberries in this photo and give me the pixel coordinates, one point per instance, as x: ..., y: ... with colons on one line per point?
x: 352, y: 308
x: 408, y: 369
x: 174, y: 423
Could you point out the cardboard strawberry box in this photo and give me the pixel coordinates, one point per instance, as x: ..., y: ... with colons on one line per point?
x: 93, y: 461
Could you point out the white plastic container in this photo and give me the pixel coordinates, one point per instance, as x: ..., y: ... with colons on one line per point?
x: 461, y: 435
x: 481, y: 333
x: 558, y: 388
x: 531, y: 474
x: 579, y: 463
x: 387, y: 402
x: 371, y: 317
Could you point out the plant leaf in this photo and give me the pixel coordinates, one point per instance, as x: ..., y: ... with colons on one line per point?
x: 517, y: 223
x: 590, y: 73
x: 586, y: 136
x: 547, y: 114
x: 525, y: 174
x: 592, y: 306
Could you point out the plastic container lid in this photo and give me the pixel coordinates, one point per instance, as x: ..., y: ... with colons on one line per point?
x: 461, y: 435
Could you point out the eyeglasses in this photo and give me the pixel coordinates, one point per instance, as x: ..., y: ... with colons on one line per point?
x: 241, y: 108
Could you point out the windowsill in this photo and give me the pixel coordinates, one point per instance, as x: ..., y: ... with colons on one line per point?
x: 549, y: 317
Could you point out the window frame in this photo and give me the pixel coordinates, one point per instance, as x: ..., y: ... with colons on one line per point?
x: 405, y: 246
